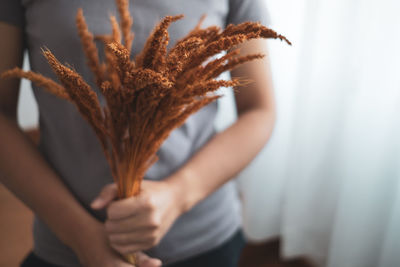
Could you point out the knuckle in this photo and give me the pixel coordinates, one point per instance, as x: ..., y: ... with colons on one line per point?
x: 148, y: 202
x: 154, y: 221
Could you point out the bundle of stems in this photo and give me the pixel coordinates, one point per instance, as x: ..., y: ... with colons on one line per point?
x: 151, y: 95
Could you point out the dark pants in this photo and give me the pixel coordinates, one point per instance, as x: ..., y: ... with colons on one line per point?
x: 226, y: 255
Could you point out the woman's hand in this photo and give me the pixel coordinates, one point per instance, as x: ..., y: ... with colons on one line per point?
x: 139, y: 223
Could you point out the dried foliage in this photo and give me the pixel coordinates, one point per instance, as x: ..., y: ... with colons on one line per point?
x: 150, y: 96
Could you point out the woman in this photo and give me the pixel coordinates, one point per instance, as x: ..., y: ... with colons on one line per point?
x: 188, y: 212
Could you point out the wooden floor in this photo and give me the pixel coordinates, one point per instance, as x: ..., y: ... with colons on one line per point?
x: 16, y: 239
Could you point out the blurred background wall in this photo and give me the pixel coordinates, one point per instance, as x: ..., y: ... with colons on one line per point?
x: 328, y: 182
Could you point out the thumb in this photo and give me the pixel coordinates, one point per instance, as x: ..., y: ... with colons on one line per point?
x: 107, y: 194
x: 146, y: 261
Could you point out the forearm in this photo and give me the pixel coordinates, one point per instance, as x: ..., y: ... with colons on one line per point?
x: 224, y: 156
x: 24, y: 171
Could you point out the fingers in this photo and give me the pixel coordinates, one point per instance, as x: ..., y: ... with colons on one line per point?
x: 135, y: 223
x: 146, y: 261
x: 130, y: 248
x: 128, y: 207
x: 107, y: 194
x: 130, y: 239
x: 134, y: 247
x: 145, y: 239
x: 138, y: 239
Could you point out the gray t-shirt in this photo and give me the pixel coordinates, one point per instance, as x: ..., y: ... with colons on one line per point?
x: 69, y: 144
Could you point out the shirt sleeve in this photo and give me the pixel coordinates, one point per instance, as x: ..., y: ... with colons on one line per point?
x: 248, y: 10
x: 12, y: 12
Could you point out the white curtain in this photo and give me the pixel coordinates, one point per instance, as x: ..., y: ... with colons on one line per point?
x: 328, y: 182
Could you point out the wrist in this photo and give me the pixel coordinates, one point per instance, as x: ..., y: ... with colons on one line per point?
x: 185, y: 191
x: 86, y: 232
x: 91, y: 244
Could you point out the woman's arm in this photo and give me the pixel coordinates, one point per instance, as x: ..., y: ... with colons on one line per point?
x: 22, y: 168
x: 24, y: 171
x: 139, y: 223
x: 233, y: 149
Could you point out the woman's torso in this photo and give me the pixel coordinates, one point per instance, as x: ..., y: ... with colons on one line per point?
x: 70, y: 146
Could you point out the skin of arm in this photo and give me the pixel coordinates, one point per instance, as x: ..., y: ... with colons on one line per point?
x: 140, y: 222
x: 25, y: 172
x: 233, y: 149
